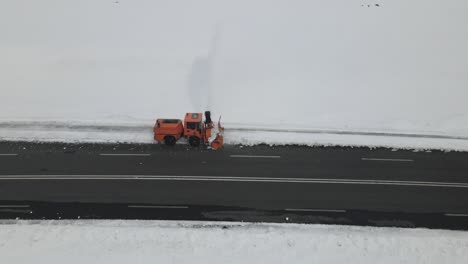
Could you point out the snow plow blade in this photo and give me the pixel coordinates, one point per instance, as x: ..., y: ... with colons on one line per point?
x: 218, y: 142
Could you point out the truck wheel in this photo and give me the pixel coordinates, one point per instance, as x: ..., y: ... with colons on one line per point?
x: 194, y: 141
x: 169, y: 140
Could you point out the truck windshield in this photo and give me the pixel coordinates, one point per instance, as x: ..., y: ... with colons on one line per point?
x: 193, y: 125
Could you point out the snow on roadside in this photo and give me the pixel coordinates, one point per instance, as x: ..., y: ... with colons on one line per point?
x: 141, y: 132
x: 123, y: 241
x: 346, y: 140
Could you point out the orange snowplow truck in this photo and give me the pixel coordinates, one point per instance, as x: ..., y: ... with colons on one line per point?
x: 196, y: 130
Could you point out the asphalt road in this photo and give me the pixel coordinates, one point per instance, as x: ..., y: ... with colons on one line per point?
x: 262, y: 183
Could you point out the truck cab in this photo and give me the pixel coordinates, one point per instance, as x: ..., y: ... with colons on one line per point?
x: 196, y: 131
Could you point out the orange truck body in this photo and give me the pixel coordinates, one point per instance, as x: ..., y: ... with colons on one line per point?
x: 193, y: 128
x: 165, y: 128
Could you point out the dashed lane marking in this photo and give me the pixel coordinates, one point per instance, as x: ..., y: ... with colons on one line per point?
x: 125, y: 155
x: 314, y: 210
x: 381, y: 159
x: 255, y: 156
x: 159, y: 206
x: 457, y: 215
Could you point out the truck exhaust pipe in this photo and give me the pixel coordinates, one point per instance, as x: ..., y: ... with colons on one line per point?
x: 208, y: 117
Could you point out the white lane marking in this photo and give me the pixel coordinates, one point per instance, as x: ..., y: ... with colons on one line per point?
x: 14, y: 206
x: 255, y: 156
x: 8, y: 154
x: 159, y: 206
x: 314, y: 210
x: 457, y: 215
x: 128, y: 154
x: 379, y: 159
x: 234, y: 179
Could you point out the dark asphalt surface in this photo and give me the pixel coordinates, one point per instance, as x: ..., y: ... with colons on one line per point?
x: 262, y: 183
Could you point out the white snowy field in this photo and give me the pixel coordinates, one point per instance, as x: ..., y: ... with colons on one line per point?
x: 87, y: 241
x: 93, y: 241
x: 355, y: 65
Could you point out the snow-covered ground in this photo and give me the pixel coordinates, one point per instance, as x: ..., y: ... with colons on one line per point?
x: 346, y: 65
x: 214, y: 242
x: 134, y: 132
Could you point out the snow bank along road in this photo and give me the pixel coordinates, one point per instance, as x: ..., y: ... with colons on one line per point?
x: 279, y: 184
x: 142, y: 133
